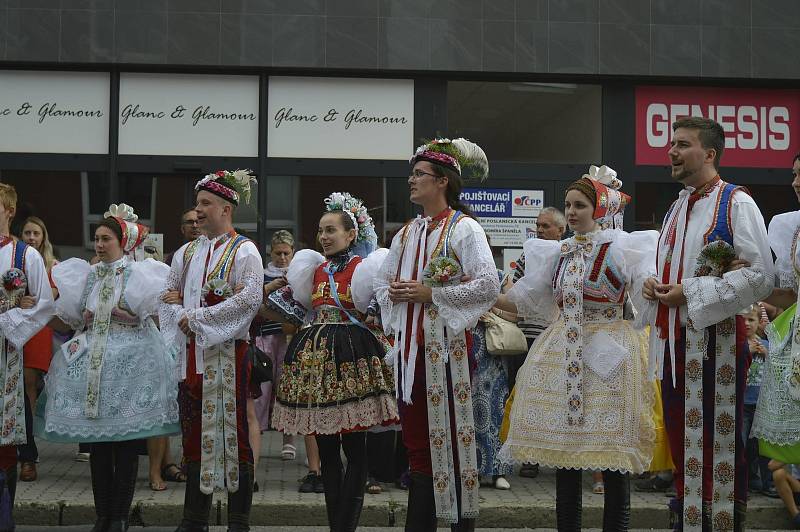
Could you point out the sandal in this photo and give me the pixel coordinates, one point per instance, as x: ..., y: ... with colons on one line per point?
x: 173, y: 473
x: 288, y: 452
x: 158, y: 485
x: 374, y: 487
x: 598, y: 488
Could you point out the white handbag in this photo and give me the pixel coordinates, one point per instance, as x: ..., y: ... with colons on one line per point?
x: 503, y: 337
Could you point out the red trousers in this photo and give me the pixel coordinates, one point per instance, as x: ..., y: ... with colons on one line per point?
x: 190, y: 393
x: 674, y: 408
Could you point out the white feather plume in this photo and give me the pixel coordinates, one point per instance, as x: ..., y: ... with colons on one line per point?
x: 472, y: 158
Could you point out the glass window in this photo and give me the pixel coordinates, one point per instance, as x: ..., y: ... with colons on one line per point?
x: 522, y: 121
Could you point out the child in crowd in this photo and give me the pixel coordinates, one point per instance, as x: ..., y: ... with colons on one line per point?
x: 759, y: 474
x: 788, y: 486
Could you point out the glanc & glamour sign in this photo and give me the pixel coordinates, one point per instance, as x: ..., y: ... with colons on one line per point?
x: 762, y: 126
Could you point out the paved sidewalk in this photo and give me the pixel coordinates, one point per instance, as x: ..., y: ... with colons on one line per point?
x: 63, y: 496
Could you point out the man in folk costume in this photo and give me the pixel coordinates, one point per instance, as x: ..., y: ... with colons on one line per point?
x: 26, y: 305
x: 713, y: 260
x: 437, y: 280
x: 212, y: 294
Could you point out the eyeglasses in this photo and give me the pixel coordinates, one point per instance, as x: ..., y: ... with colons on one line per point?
x: 417, y: 174
x: 190, y: 222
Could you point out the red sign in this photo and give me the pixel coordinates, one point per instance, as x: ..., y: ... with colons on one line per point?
x: 762, y: 126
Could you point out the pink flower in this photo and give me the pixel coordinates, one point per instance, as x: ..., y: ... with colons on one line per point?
x: 444, y: 278
x: 361, y: 219
x: 220, y: 173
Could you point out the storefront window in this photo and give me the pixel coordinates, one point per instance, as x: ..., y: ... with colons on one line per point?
x: 532, y: 122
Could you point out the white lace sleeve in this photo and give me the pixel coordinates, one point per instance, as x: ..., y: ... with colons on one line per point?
x: 301, y: 275
x: 170, y: 315
x: 144, y: 287
x: 635, y: 254
x: 712, y: 299
x: 231, y: 318
x: 19, y: 325
x: 462, y: 304
x: 386, y: 275
x: 781, y: 232
x: 533, y: 292
x: 362, y: 287
x: 70, y: 279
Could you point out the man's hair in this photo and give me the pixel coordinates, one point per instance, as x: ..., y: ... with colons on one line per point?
x: 796, y: 158
x: 710, y: 133
x: 185, y: 212
x: 8, y: 196
x: 558, y: 216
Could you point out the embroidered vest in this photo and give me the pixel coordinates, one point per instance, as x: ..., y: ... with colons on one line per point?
x: 343, y: 279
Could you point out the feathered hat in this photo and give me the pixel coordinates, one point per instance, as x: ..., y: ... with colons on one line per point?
x: 461, y: 155
x: 228, y: 185
x: 366, y: 238
x: 610, y: 202
x: 133, y: 233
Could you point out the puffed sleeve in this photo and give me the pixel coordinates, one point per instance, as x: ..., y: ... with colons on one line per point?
x: 460, y: 305
x: 70, y: 279
x: 362, y: 287
x: 301, y: 275
x: 709, y: 299
x: 145, y: 286
x: 231, y: 318
x: 168, y: 314
x: 635, y: 254
x: 781, y: 233
x: 533, y: 292
x: 386, y: 275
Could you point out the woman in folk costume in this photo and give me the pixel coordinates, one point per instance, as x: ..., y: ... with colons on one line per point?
x: 113, y: 383
x: 438, y: 279
x: 21, y: 317
x: 335, y: 383
x: 211, y: 296
x: 583, y: 399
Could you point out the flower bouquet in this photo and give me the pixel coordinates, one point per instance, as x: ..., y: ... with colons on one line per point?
x: 14, y: 284
x: 714, y: 259
x: 215, y: 291
x: 441, y: 271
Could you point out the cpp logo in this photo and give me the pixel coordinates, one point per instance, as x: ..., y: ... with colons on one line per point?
x: 527, y: 201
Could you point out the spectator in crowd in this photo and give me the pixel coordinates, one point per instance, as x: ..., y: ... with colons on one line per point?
x: 189, y: 229
x: 37, y: 352
x: 787, y: 486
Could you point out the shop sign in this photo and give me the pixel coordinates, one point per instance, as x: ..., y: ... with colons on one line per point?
x: 340, y: 118
x: 761, y: 126
x: 507, y: 215
x: 54, y: 112
x: 188, y: 114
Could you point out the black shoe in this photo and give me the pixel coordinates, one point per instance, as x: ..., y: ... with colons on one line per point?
x: 319, y: 487
x: 255, y: 487
x: 188, y: 526
x: 101, y: 525
x: 309, y: 482
x: 529, y: 470
x: 771, y: 492
x: 653, y: 484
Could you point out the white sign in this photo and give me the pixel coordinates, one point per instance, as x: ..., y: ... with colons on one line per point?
x: 507, y: 215
x: 54, y: 112
x: 188, y: 114
x: 510, y: 257
x: 151, y: 248
x: 340, y: 118
x: 508, y: 232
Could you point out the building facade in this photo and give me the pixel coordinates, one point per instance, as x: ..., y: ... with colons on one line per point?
x: 133, y: 100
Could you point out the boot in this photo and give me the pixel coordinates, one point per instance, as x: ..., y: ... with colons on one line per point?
x: 126, y: 466
x: 463, y: 525
x: 421, y: 513
x: 332, y: 480
x: 351, y: 499
x: 101, y: 465
x: 739, y: 515
x: 676, y: 515
x: 196, y: 504
x: 617, y: 502
x: 239, y: 503
x: 568, y: 500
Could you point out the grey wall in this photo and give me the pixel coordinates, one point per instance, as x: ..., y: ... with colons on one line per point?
x: 710, y: 38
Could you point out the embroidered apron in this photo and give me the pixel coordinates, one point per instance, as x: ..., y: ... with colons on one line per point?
x: 219, y: 446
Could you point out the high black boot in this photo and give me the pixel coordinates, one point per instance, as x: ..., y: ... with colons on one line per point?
x: 421, y: 513
x: 463, y: 525
x: 126, y: 466
x: 239, y: 503
x: 568, y: 500
x: 331, y: 469
x: 101, y: 465
x: 351, y: 499
x: 739, y: 516
x: 617, y: 502
x: 196, y: 504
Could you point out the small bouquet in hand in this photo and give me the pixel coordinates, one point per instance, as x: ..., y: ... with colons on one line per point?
x: 14, y: 284
x: 441, y: 271
x: 215, y: 291
x: 714, y: 259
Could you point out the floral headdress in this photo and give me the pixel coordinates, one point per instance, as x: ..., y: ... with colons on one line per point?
x: 610, y: 202
x: 228, y: 185
x: 459, y: 154
x: 133, y: 234
x: 366, y: 238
